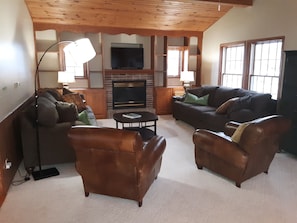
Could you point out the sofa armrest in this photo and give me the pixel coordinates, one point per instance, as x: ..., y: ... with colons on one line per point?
x: 219, y: 146
x: 230, y: 128
x: 152, y: 152
x: 54, y: 145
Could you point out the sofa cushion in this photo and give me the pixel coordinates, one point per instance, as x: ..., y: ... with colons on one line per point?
x: 75, y: 99
x: 223, y: 108
x: 193, y: 99
x: 56, y: 93
x: 204, y: 90
x: 242, y: 103
x: 196, y: 91
x: 261, y: 102
x: 242, y: 115
x: 201, y: 109
x: 47, y: 113
x: 212, y: 120
x: 221, y: 95
x: 49, y: 96
x: 67, y: 111
x: 243, y: 92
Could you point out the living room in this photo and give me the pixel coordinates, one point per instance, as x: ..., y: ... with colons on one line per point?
x: 265, y: 19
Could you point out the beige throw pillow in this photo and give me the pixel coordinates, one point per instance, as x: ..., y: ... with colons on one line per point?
x: 238, y: 132
x: 222, y: 109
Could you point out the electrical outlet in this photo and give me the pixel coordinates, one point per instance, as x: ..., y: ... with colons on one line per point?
x: 8, y: 164
x: 17, y: 84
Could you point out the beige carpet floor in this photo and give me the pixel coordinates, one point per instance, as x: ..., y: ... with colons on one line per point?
x: 181, y: 194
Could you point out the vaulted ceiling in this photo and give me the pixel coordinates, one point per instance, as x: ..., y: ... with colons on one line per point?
x: 130, y: 16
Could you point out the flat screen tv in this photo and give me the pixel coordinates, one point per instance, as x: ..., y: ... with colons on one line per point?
x: 126, y: 58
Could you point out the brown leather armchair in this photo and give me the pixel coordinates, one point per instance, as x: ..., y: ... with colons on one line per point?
x: 116, y: 162
x: 257, y: 143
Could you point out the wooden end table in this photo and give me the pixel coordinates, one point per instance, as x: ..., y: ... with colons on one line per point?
x: 142, y: 124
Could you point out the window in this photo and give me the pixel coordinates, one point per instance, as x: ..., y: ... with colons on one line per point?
x: 265, y: 66
x: 176, y: 60
x: 232, y: 66
x: 253, y: 65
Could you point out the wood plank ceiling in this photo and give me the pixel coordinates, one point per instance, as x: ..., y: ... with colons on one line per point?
x: 167, y: 17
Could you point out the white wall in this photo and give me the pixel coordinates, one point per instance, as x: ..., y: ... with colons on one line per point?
x: 266, y: 18
x: 17, y: 56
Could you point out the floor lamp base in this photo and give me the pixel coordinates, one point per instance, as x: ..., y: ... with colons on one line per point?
x: 41, y: 174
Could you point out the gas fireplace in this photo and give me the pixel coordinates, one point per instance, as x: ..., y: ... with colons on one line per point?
x: 128, y: 94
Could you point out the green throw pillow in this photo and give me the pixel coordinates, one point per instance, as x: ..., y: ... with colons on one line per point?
x: 193, y: 99
x: 83, y: 117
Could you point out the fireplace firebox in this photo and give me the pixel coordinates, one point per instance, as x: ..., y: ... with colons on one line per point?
x: 129, y: 94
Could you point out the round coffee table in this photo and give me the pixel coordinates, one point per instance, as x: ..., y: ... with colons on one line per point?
x: 141, y: 124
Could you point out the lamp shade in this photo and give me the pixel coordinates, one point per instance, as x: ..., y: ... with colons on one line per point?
x: 187, y: 76
x: 65, y: 77
x: 81, y: 50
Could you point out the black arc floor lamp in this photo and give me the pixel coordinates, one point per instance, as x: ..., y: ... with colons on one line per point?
x: 82, y: 51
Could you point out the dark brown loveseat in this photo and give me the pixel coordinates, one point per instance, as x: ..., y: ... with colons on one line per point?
x: 223, y: 105
x: 56, y: 117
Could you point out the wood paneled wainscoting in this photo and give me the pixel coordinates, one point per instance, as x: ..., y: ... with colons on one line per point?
x: 10, y: 148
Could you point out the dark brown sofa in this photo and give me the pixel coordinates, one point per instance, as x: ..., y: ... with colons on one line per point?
x: 222, y: 107
x: 56, y: 117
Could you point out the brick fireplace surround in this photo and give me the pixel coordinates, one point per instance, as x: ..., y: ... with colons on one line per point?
x: 118, y: 77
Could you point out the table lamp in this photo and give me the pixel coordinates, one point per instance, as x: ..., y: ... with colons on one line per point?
x: 187, y: 77
x: 65, y: 78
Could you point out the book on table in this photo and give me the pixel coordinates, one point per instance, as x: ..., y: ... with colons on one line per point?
x: 132, y: 115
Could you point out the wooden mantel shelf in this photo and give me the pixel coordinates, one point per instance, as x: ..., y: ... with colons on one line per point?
x: 140, y: 71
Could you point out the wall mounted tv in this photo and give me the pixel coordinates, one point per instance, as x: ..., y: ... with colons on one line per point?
x: 127, y: 58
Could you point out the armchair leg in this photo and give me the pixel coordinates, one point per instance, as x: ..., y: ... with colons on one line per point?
x: 85, y: 189
x: 139, y: 203
x: 238, y: 184
x: 199, y: 166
